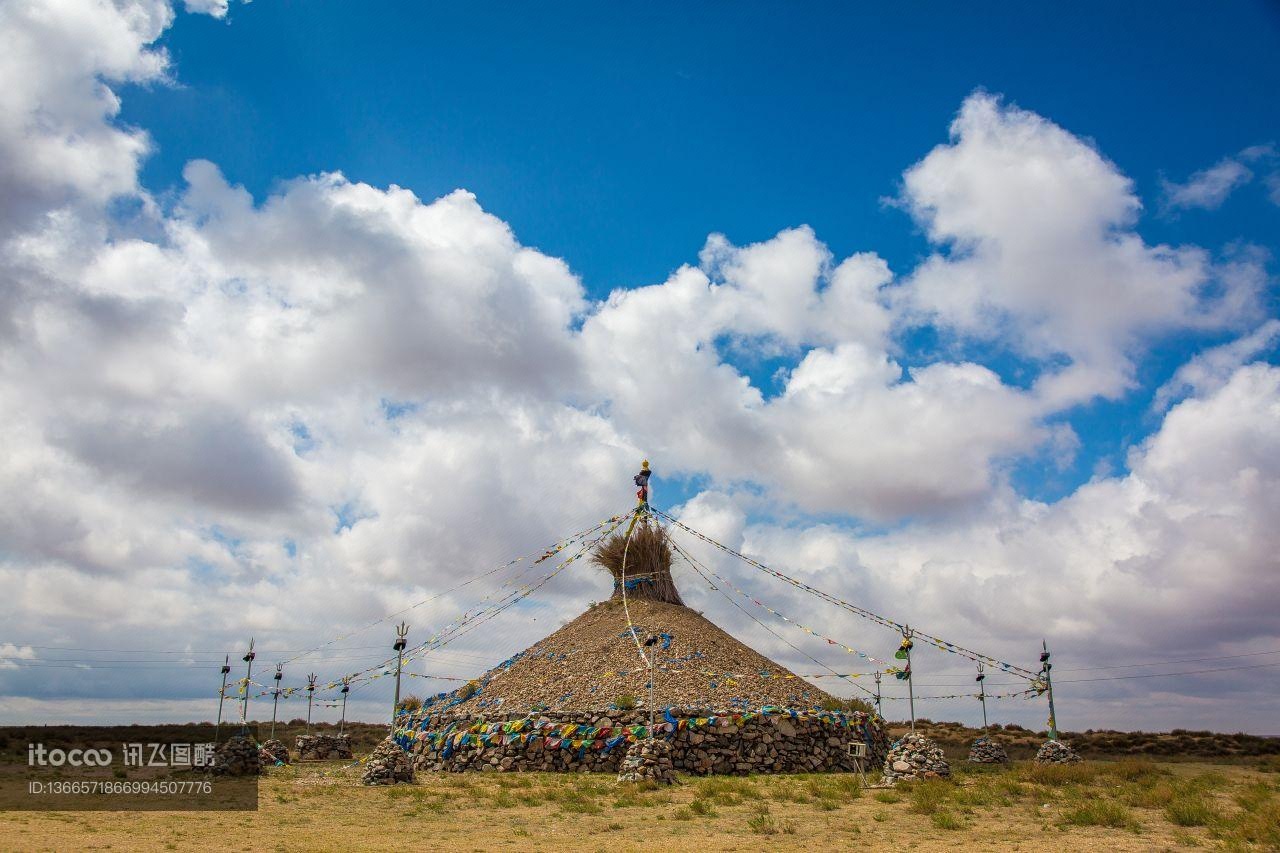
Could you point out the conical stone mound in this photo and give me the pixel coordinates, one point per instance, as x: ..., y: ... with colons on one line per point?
x: 591, y: 664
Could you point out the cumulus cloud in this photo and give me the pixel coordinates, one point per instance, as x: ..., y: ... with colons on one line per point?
x: 289, y: 415
x: 1042, y: 255
x: 58, y: 141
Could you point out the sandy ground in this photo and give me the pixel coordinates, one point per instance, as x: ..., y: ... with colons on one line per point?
x: 322, y: 807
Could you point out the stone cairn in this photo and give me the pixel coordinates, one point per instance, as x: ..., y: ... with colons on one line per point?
x: 273, y: 752
x: 773, y: 744
x: 987, y: 751
x: 648, y: 760
x: 1056, y: 752
x: 236, y: 756
x: 323, y: 747
x: 388, y: 765
x: 915, y: 757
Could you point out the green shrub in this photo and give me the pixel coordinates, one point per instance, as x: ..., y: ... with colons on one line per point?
x: 928, y: 795
x: 1099, y: 813
x: 946, y: 820
x: 762, y: 823
x: 703, y: 808
x: 625, y: 702
x: 1189, y: 810
x: 1060, y: 774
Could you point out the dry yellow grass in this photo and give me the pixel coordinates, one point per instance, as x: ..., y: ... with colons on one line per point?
x: 323, y: 808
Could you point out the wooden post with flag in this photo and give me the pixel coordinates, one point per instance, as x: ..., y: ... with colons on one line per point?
x: 222, y: 695
x: 248, y: 676
x: 402, y: 632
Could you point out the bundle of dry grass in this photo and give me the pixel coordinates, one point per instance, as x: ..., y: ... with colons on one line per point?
x: 648, y: 563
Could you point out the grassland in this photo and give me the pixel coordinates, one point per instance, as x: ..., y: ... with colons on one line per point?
x: 1130, y: 804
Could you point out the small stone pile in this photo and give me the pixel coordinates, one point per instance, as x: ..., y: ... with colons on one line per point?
x: 323, y: 747
x: 1056, y: 752
x: 648, y: 759
x: 987, y: 751
x: 237, y: 756
x: 273, y: 752
x: 915, y: 757
x: 388, y: 765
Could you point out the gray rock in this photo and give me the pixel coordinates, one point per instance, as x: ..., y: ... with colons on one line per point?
x: 237, y: 756
x: 648, y: 759
x: 389, y: 765
x: 1056, y: 752
x: 987, y: 751
x: 915, y: 757
x: 273, y: 752
x: 323, y: 747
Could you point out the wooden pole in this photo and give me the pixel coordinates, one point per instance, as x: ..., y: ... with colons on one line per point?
x: 346, y: 688
x: 248, y: 674
x: 275, y: 699
x: 311, y: 692
x: 1048, y: 683
x: 911, y: 692
x: 402, y: 631
x: 222, y: 695
x: 982, y: 695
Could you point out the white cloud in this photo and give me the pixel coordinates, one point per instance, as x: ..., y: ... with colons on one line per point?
x: 1211, y: 369
x: 1042, y: 256
x: 58, y: 141
x: 851, y: 431
x: 213, y: 8
x: 11, y: 656
x: 1209, y: 188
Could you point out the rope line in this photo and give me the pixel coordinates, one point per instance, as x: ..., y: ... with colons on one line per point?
x: 944, y: 645
x: 550, y: 552
x: 694, y: 565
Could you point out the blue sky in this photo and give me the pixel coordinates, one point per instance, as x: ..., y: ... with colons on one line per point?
x: 619, y: 140
x: 970, y: 317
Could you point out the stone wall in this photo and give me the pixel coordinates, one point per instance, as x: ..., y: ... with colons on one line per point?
x: 702, y: 741
x: 323, y: 747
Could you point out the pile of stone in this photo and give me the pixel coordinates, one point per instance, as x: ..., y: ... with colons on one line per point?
x: 237, y: 756
x: 273, y: 752
x: 706, y: 741
x: 987, y: 751
x: 915, y: 757
x: 1056, y: 752
x: 388, y: 765
x: 323, y: 747
x: 648, y: 759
